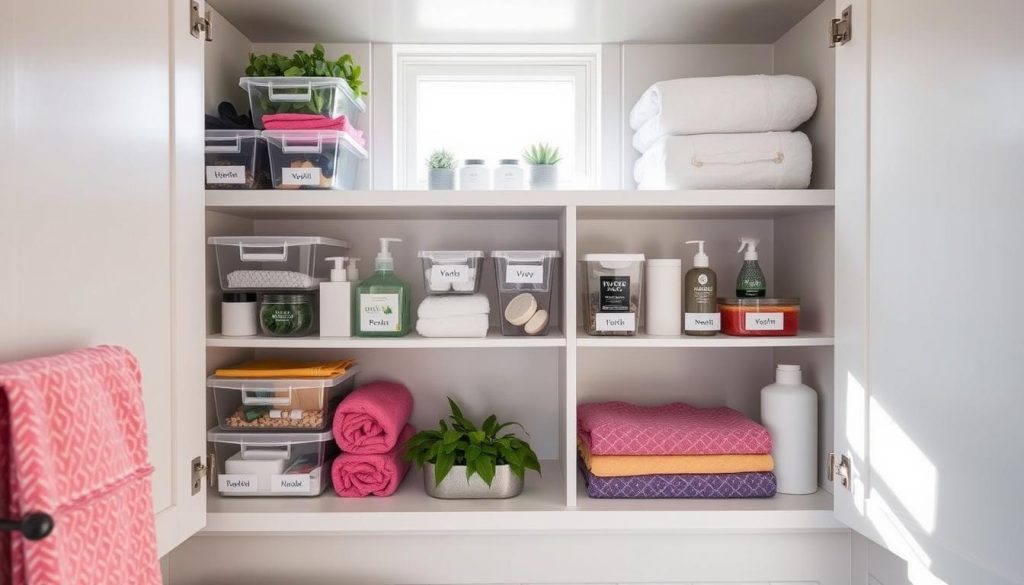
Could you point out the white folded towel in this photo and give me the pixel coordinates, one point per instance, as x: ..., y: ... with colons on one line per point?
x: 457, y: 326
x: 436, y: 307
x: 767, y: 160
x: 721, y: 105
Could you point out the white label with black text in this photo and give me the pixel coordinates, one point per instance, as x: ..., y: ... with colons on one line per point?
x: 524, y: 274
x: 297, y: 483
x: 616, y: 322
x: 379, y: 313
x: 449, y: 273
x: 225, y: 175
x: 764, y: 321
x: 702, y: 322
x: 235, y: 483
x: 300, y: 176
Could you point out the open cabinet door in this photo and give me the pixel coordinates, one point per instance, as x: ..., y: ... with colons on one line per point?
x: 101, y: 210
x: 929, y: 359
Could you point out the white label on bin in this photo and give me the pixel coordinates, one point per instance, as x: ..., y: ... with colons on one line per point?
x: 764, y: 321
x: 616, y: 322
x: 225, y: 175
x: 234, y: 483
x: 297, y: 483
x: 702, y: 322
x: 449, y: 273
x: 300, y: 176
x: 379, y: 313
x: 524, y: 274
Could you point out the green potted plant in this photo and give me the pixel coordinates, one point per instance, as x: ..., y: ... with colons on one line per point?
x: 543, y: 160
x: 441, y: 170
x: 463, y: 461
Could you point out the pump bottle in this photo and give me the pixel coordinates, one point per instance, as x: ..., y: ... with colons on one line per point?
x: 750, y: 281
x: 700, y: 296
x: 383, y: 302
x: 336, y: 301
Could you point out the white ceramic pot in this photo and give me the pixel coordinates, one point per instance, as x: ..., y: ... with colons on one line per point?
x: 543, y: 176
x: 441, y: 179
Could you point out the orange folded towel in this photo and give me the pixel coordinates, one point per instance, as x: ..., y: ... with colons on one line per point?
x: 624, y: 465
x: 286, y: 369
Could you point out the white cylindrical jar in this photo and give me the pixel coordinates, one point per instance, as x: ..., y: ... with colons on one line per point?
x: 238, y: 312
x: 508, y: 175
x: 474, y: 175
x: 789, y: 410
x: 664, y: 296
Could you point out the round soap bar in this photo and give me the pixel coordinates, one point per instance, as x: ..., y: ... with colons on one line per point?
x: 537, y: 323
x: 520, y: 309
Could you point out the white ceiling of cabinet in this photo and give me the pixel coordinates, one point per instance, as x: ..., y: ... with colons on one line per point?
x: 515, y: 21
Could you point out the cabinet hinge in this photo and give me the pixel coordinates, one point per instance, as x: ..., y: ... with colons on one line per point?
x: 199, y: 24
x: 839, y: 467
x: 840, y: 30
x: 200, y: 472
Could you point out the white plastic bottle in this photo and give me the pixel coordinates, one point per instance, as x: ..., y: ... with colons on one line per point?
x: 664, y: 290
x: 789, y: 410
x: 336, y: 302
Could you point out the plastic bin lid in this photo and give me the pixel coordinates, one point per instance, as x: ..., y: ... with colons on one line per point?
x: 228, y: 133
x: 271, y: 384
x: 526, y: 255
x: 275, y: 241
x: 300, y: 82
x: 217, y: 436
x: 450, y: 255
x: 330, y: 136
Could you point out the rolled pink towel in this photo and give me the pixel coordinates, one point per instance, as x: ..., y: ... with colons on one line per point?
x: 358, y: 476
x: 370, y: 419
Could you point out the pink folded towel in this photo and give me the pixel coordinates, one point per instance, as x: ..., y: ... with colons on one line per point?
x: 620, y: 428
x: 73, y: 445
x: 370, y: 419
x: 358, y: 476
x: 312, y: 122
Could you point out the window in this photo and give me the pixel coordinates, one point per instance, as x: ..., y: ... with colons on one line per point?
x: 492, y: 103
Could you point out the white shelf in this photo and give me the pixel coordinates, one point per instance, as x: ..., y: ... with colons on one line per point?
x: 494, y: 338
x: 608, y: 204
x: 802, y: 339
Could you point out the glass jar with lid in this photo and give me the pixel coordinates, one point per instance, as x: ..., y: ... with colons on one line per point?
x: 508, y: 175
x: 474, y: 175
x: 286, y: 315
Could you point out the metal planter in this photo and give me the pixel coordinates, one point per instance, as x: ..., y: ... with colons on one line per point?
x: 455, y: 486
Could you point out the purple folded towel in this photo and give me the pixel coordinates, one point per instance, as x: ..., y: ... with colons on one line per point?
x: 684, y: 485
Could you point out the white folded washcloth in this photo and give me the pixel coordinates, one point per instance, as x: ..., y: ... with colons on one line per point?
x: 437, y: 307
x: 721, y: 105
x: 456, y: 326
x: 766, y: 160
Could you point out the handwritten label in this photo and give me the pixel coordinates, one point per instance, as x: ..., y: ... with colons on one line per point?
x: 225, y: 175
x: 616, y: 322
x: 702, y: 322
x: 764, y: 321
x: 229, y: 483
x: 524, y: 274
x: 379, y: 313
x: 300, y: 176
x: 297, y: 483
x: 445, y: 273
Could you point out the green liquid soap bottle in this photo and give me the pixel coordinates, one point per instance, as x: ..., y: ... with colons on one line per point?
x: 750, y: 282
x: 382, y: 305
x: 700, y: 296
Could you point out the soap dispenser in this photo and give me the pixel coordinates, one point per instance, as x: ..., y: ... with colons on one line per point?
x: 700, y: 296
x: 750, y: 281
x: 336, y: 301
x: 383, y: 305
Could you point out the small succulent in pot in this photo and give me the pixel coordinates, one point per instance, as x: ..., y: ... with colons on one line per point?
x: 543, y: 160
x: 462, y: 460
x: 441, y: 170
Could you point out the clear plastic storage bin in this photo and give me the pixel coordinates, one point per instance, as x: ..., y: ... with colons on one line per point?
x: 272, y: 464
x: 277, y: 263
x: 313, y: 159
x: 526, y: 282
x: 326, y: 96
x: 614, y: 292
x: 236, y: 159
x: 450, y: 272
x: 278, y: 404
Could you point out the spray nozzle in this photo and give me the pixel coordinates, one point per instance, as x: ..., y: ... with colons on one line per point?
x: 338, y: 273
x: 384, y: 259
x: 751, y: 245
x: 700, y: 259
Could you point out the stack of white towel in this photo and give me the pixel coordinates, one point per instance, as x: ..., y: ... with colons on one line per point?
x: 453, y: 316
x: 734, y: 132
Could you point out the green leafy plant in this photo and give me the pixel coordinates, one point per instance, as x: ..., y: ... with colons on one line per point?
x: 479, y: 449
x: 542, y: 154
x: 441, y: 159
x: 303, y: 64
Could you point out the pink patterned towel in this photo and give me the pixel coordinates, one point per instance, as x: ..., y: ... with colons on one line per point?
x: 358, y: 476
x: 369, y: 420
x: 73, y: 445
x: 620, y: 428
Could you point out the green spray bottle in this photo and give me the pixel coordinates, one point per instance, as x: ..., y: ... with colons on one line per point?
x: 750, y: 282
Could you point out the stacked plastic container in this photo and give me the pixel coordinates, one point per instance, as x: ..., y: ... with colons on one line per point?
x: 526, y: 286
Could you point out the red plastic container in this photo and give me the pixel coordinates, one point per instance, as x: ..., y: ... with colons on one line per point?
x: 760, y: 317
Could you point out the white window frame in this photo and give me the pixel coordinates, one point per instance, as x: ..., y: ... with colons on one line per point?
x: 581, y: 63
